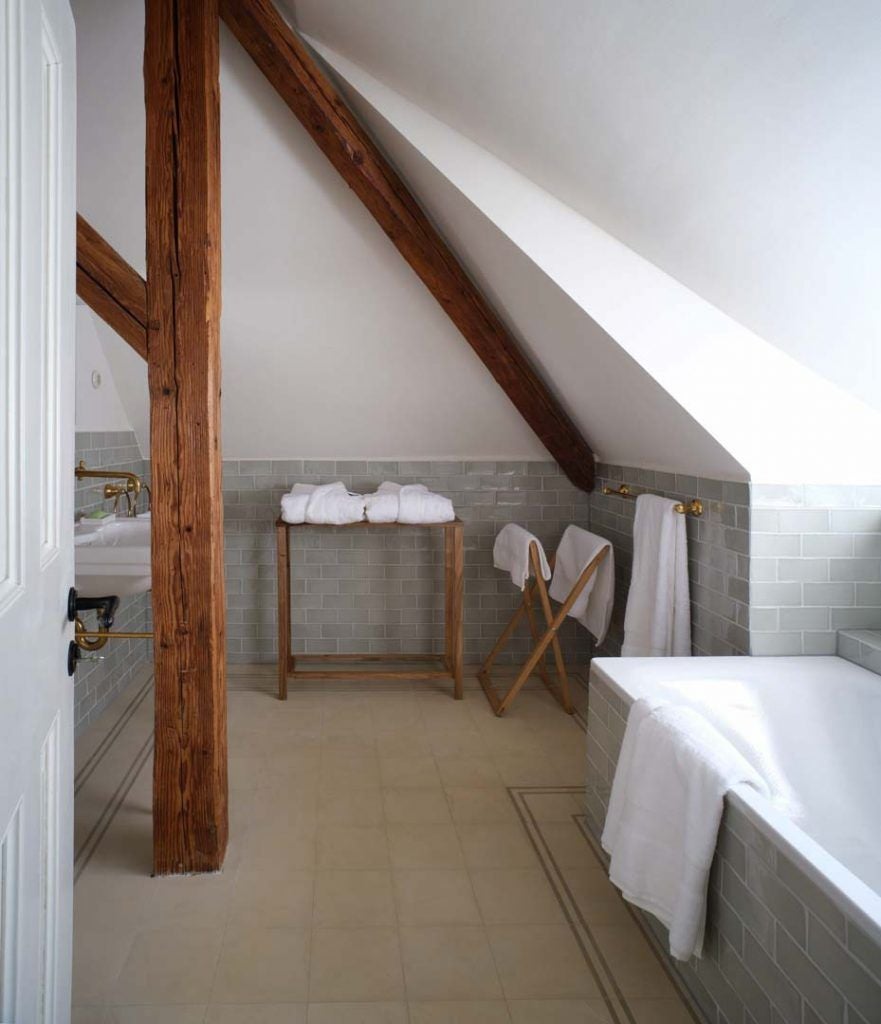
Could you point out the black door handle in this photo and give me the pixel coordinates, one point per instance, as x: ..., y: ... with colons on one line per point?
x: 105, y: 607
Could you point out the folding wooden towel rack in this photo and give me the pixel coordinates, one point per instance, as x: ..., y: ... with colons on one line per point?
x: 542, y: 641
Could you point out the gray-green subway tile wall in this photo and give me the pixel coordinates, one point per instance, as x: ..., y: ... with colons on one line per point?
x: 815, y: 566
x: 718, y: 552
x: 382, y: 590
x: 97, y: 682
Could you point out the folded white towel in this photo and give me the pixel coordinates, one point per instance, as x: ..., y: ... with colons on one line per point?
x: 511, y: 554
x: 664, y: 813
x: 332, y: 504
x: 382, y: 507
x: 657, y: 622
x: 419, y: 505
x: 593, y: 608
x: 408, y: 503
x: 293, y: 505
x: 385, y: 505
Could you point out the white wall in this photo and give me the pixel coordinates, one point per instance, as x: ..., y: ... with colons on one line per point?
x: 734, y: 144
x: 98, y: 406
x: 331, y: 345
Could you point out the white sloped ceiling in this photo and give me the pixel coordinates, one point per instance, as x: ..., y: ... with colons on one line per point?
x: 757, y: 406
x: 734, y: 145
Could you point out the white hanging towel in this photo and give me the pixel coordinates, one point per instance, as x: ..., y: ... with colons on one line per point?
x: 332, y: 504
x: 593, y: 608
x: 511, y: 554
x: 664, y: 813
x: 657, y: 622
x: 293, y: 505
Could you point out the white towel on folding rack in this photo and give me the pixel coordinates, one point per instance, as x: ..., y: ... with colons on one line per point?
x: 293, y: 505
x: 657, y: 622
x: 666, y: 804
x: 593, y: 607
x: 511, y: 554
x: 332, y: 504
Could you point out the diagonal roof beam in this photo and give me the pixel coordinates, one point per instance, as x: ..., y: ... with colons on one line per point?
x: 285, y: 61
x: 115, y: 291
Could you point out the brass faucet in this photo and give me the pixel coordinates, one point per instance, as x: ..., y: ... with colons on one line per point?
x: 132, y: 486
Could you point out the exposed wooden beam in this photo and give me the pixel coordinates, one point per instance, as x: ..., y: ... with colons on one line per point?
x: 115, y: 291
x: 288, y: 65
x: 181, y: 71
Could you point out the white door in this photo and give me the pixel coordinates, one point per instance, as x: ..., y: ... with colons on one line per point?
x: 37, y: 260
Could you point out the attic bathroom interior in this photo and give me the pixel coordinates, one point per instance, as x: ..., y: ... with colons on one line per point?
x: 440, y: 547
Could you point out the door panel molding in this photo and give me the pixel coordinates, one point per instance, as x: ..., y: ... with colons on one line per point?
x: 49, y: 846
x: 12, y: 46
x: 50, y: 314
x: 10, y: 917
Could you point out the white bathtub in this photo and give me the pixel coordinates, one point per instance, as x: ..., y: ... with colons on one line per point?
x: 817, y: 722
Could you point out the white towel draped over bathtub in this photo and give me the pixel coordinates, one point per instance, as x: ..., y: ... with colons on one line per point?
x: 410, y: 503
x: 664, y: 813
x: 511, y: 554
x: 657, y: 622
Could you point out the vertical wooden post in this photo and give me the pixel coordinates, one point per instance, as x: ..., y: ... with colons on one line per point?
x: 181, y: 80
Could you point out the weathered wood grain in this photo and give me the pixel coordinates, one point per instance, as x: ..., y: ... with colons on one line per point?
x: 112, y: 288
x: 181, y: 69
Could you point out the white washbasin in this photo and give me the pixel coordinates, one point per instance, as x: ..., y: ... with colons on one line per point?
x: 112, y: 556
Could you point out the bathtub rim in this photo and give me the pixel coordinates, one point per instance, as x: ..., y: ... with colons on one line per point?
x: 857, y: 900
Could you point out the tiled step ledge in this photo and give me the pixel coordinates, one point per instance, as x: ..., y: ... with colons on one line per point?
x: 862, y: 647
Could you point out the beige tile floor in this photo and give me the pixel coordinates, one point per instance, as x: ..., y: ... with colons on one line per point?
x: 395, y: 856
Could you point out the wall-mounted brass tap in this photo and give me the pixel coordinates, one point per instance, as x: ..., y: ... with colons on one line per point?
x: 131, y: 489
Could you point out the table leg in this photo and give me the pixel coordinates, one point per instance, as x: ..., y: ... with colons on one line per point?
x: 284, y: 609
x: 454, y: 539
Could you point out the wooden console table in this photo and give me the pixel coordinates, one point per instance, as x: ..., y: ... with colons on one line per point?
x: 451, y: 659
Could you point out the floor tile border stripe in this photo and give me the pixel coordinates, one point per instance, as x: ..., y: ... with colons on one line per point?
x: 580, y: 821
x: 113, y: 733
x: 603, y: 976
x: 84, y: 854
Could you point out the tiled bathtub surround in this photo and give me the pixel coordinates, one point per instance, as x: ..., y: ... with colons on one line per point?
x: 777, y: 948
x: 862, y: 647
x: 718, y: 552
x: 815, y: 566
x: 381, y: 590
x: 97, y: 682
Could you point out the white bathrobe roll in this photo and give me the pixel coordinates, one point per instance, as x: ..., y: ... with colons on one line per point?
x: 333, y: 505
x: 419, y: 505
x: 293, y: 505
